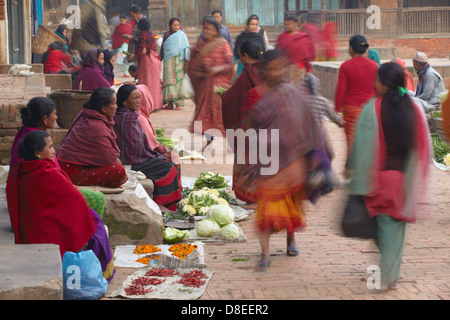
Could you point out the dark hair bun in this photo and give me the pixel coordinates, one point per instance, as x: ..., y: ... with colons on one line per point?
x: 359, y: 44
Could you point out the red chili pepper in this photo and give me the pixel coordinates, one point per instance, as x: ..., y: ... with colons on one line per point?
x: 161, y: 272
x: 145, y: 281
x: 135, y: 290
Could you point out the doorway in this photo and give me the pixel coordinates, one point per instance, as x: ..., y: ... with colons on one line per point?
x: 15, y: 31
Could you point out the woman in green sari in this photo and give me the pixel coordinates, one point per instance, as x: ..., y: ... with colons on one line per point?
x: 174, y: 52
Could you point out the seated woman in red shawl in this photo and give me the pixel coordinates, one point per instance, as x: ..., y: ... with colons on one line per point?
x: 89, y: 154
x: 299, y: 48
x: 39, y: 114
x: 55, y: 60
x: 92, y: 75
x: 45, y: 207
x: 234, y: 102
x: 135, y: 149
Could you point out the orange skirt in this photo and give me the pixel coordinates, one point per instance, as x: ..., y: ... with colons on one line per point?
x: 279, y: 200
x: 281, y: 214
x: 351, y: 116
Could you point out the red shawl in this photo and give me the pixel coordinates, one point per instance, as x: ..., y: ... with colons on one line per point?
x: 409, y: 80
x: 45, y: 207
x: 299, y: 47
x: 117, y: 38
x: 57, y: 61
x: 235, y: 99
x: 147, y: 41
x: 90, y: 141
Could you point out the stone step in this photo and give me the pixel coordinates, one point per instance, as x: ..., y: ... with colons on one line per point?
x: 30, y: 272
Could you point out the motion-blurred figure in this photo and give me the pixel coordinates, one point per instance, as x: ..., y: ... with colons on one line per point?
x: 299, y: 48
x: 93, y: 30
x: 390, y: 165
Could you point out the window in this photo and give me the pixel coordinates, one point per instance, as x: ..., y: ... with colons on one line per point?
x: 52, y: 4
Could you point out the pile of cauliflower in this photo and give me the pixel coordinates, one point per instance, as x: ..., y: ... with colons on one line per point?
x: 199, y: 201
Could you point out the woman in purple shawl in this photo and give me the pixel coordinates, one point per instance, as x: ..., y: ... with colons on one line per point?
x: 92, y: 76
x: 110, y: 61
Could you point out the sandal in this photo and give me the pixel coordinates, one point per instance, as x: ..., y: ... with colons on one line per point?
x: 262, y: 266
x: 292, y: 251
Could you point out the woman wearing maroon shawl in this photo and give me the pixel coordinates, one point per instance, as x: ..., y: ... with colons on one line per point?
x: 136, y: 151
x: 235, y: 100
x: 299, y: 48
x: 92, y: 76
x: 39, y: 114
x: 123, y: 28
x: 89, y: 153
x: 149, y: 70
x: 110, y: 62
x: 45, y: 207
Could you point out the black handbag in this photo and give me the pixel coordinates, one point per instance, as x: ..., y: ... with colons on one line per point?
x: 356, y: 222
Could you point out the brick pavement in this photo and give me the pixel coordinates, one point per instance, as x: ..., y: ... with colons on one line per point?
x: 329, y: 267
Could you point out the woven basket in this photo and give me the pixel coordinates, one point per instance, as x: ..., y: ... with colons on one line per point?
x: 43, y: 38
x: 68, y: 104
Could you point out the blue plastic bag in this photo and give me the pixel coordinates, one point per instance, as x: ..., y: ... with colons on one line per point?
x: 82, y: 276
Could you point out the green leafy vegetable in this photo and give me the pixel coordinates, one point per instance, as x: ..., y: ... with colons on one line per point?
x: 440, y: 147
x: 173, y: 235
x: 210, y: 180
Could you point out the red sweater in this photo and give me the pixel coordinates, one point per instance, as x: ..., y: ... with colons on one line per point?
x: 57, y: 61
x: 356, y: 82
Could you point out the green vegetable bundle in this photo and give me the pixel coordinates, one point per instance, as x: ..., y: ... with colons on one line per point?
x: 210, y: 180
x: 440, y: 148
x: 163, y: 140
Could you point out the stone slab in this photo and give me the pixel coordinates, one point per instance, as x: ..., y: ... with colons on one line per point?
x: 30, y: 272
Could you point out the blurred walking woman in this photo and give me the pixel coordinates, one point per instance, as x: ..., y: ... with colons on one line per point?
x: 234, y: 103
x: 45, y: 207
x: 279, y: 193
x: 390, y: 163
x: 211, y: 66
x: 355, y: 87
x: 149, y: 71
x: 174, y: 52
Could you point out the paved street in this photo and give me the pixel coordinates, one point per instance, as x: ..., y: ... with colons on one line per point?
x: 329, y: 266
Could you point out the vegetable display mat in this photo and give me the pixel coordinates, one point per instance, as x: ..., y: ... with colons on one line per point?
x: 168, y: 290
x: 124, y: 256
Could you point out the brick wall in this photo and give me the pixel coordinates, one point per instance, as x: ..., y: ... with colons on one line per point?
x: 15, y: 92
x: 2, y: 10
x: 406, y: 48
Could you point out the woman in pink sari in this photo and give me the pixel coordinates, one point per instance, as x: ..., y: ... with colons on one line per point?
x: 149, y: 71
x: 210, y: 67
x: 145, y: 110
